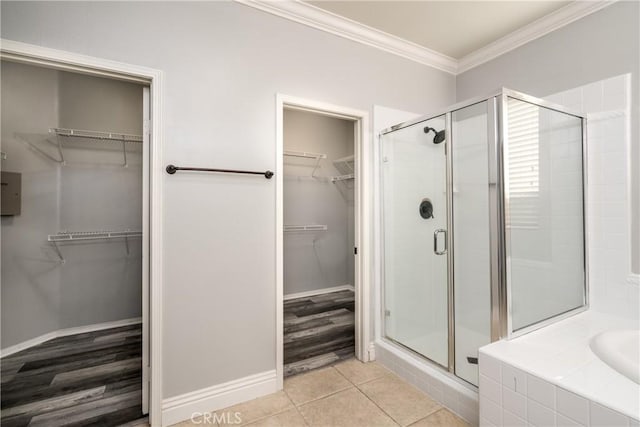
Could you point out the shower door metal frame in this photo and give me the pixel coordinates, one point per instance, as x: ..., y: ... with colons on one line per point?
x: 500, y: 286
x: 505, y: 288
x: 451, y: 314
x: 449, y: 240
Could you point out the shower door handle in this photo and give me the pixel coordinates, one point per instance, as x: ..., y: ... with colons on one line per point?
x: 435, y: 241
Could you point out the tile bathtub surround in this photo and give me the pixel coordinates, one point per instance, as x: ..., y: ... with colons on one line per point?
x: 349, y: 394
x: 566, y: 384
x: 510, y: 396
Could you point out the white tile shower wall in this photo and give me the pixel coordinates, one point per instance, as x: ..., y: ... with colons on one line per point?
x: 607, y: 104
x: 446, y: 391
x: 511, y: 397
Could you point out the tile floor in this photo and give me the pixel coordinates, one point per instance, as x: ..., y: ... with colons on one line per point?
x: 349, y: 394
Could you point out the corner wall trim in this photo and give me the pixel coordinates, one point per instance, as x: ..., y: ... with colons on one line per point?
x: 319, y: 292
x: 315, y: 17
x: 182, y: 407
x: 543, y: 26
x: 321, y: 19
x: 66, y: 332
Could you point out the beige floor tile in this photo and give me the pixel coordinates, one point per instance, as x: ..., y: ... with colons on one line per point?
x: 290, y: 418
x: 441, y: 418
x: 256, y: 409
x: 314, y: 385
x: 403, y: 402
x: 196, y: 422
x: 358, y: 372
x: 348, y: 408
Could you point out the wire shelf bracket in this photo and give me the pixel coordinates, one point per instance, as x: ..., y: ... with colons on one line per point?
x: 342, y: 178
x: 306, y: 155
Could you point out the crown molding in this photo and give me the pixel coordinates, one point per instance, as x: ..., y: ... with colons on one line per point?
x: 312, y: 16
x: 545, y: 25
x: 321, y: 19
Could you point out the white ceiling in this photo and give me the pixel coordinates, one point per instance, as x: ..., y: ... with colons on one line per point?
x: 454, y: 28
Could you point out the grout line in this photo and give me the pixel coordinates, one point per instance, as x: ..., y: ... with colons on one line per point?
x: 301, y: 416
x: 438, y: 407
x: 442, y: 408
x: 374, y: 402
x: 266, y: 416
x: 351, y: 385
x: 354, y: 386
x: 379, y: 407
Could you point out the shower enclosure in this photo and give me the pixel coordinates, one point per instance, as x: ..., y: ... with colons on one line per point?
x: 483, y: 226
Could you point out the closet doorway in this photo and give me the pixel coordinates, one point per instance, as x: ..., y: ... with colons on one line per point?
x: 75, y: 247
x: 322, y: 305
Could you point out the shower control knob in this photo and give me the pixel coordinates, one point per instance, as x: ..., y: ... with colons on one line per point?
x: 426, y: 209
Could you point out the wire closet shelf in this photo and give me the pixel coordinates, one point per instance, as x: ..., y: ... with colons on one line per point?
x: 303, y: 228
x: 100, y: 136
x: 74, y: 236
x: 344, y: 165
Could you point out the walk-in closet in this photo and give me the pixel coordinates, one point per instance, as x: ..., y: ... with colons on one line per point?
x: 319, y: 226
x: 73, y: 248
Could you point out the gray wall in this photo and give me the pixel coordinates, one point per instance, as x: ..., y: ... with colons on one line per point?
x: 98, y: 283
x: 223, y: 64
x: 317, y: 260
x: 602, y: 45
x: 30, y: 289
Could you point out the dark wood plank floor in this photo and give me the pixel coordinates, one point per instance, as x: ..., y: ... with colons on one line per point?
x: 89, y: 379
x: 318, y: 331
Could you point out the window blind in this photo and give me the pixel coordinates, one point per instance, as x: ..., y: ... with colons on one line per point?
x: 523, y: 164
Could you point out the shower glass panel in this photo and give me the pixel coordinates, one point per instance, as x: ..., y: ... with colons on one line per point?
x: 414, y: 223
x: 505, y: 191
x: 544, y: 213
x: 471, y: 237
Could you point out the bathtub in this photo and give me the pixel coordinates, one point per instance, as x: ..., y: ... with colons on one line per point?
x: 620, y: 349
x: 579, y: 371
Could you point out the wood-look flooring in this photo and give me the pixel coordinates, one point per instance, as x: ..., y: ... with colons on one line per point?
x: 89, y: 379
x: 318, y: 331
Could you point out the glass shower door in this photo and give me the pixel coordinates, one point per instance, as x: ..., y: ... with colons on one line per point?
x: 414, y: 192
x: 471, y: 238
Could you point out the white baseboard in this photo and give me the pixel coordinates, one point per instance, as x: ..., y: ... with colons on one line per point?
x: 66, y: 332
x: 319, y: 292
x: 182, y: 407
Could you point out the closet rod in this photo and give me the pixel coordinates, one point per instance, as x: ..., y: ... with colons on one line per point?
x: 171, y: 169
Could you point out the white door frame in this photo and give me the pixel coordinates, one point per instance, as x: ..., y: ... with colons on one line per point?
x: 68, y: 61
x: 363, y: 153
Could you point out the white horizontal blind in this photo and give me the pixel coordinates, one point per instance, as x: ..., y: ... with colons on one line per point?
x: 523, y: 172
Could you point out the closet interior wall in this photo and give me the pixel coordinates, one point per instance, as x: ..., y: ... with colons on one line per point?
x: 92, y: 191
x: 316, y: 260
